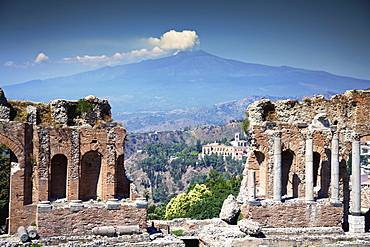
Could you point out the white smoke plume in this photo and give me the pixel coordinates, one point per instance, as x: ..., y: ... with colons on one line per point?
x: 173, y: 40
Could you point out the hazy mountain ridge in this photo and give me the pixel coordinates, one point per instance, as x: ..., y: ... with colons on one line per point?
x: 187, y: 80
x: 217, y: 114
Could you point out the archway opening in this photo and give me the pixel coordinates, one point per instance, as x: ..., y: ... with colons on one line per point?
x: 261, y: 174
x: 286, y: 175
x: 7, y: 159
x: 90, y: 179
x: 344, y: 191
x: 122, y: 182
x: 316, y: 166
x: 58, y: 177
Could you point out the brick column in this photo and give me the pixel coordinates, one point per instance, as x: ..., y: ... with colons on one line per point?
x: 43, y: 164
x: 309, y: 167
x: 110, y: 171
x: 111, y: 164
x: 74, y: 167
x: 334, y: 200
x: 277, y: 165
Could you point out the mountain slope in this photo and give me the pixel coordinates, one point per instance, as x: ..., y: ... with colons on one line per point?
x: 182, y: 81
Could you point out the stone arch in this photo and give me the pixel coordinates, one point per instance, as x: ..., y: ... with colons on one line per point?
x: 18, y: 162
x: 122, y: 189
x: 91, y: 176
x: 288, y: 184
x: 6, y: 169
x: 321, y: 171
x: 58, y: 177
x: 18, y: 152
x: 257, y: 161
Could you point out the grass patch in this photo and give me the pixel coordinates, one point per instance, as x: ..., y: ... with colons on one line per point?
x: 178, y: 232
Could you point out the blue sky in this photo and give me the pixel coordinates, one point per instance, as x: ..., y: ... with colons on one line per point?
x: 42, y: 39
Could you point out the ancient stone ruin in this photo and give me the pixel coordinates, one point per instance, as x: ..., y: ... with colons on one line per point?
x: 68, y: 177
x: 296, y: 174
x: 69, y: 153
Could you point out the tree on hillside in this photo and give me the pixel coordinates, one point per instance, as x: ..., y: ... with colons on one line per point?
x: 203, y: 201
x: 179, y: 206
x: 245, y: 125
x: 4, y: 182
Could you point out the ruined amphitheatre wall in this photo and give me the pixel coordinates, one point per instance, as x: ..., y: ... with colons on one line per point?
x: 293, y: 123
x: 348, y: 111
x: 61, y: 153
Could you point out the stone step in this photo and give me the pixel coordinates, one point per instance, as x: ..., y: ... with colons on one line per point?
x: 304, y: 231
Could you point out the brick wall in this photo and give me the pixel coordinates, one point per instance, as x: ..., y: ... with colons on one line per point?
x: 294, y: 213
x: 62, y: 222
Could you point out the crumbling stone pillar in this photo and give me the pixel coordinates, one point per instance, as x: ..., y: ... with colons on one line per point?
x: 73, y: 189
x: 43, y: 162
x: 277, y: 165
x: 309, y: 166
x: 252, y: 188
x: 31, y: 114
x: 335, y: 170
x: 59, y: 111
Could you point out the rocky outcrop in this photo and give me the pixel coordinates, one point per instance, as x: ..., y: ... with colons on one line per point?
x: 249, y: 227
x: 230, y: 210
x: 59, y: 111
x: 213, y: 236
x: 4, y: 109
x: 65, y: 112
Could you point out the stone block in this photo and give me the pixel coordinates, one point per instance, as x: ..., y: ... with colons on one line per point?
x: 44, y: 207
x: 302, y: 125
x: 31, y: 114
x: 76, y: 205
x: 113, y: 204
x: 356, y: 224
x: 141, y: 202
x: 4, y: 112
x: 249, y: 227
x: 230, y: 210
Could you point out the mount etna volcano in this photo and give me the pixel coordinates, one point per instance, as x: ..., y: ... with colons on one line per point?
x: 182, y: 81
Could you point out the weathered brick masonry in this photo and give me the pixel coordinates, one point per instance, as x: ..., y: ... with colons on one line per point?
x: 61, y: 152
x: 299, y: 150
x: 61, y: 221
x: 295, y: 213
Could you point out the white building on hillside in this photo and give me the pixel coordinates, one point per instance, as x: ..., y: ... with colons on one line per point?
x: 238, y: 150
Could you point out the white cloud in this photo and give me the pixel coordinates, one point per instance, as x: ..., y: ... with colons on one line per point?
x: 92, y: 60
x: 9, y: 64
x: 142, y: 54
x: 174, y: 40
x: 133, y: 56
x: 168, y: 42
x: 41, y: 57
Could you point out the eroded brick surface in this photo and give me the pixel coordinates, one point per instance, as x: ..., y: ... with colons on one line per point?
x: 63, y: 222
x: 294, y: 213
x: 58, y: 153
x: 342, y: 115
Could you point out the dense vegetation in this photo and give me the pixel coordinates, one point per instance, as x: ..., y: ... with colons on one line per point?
x: 206, y: 192
x: 177, y: 159
x: 201, y: 201
x: 83, y: 106
x: 4, y: 182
